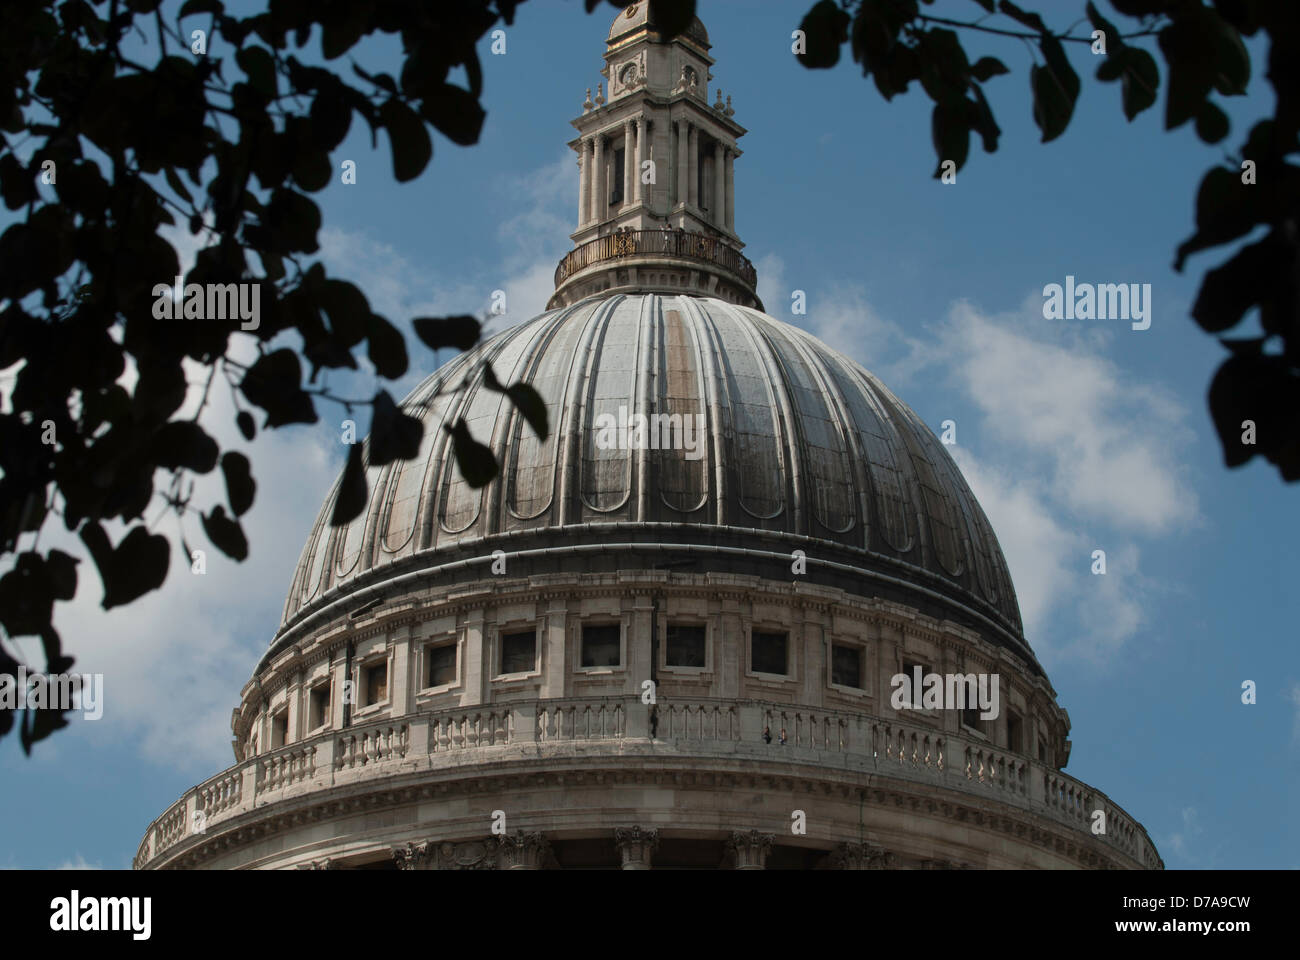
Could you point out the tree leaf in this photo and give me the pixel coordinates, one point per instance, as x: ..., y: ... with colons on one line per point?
x: 274, y: 384
x: 454, y: 112
x: 351, y: 497
x: 461, y: 332
x: 347, y: 309
x: 987, y: 67
x: 1211, y: 123
x: 240, y: 486
x: 950, y: 133
x: 825, y: 28
x: 131, y: 569
x: 394, y: 435
x: 387, y: 348
x: 1140, y: 81
x: 476, y: 463
x: 183, y: 444
x: 226, y: 534
x: 671, y: 17
x: 410, y: 142
x: 257, y: 64
x: 528, y: 401
x: 1052, y: 108
x: 244, y: 420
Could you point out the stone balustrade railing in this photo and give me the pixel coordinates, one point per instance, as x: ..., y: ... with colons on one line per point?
x: 846, y: 741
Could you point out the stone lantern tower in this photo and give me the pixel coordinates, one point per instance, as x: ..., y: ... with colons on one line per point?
x: 656, y: 194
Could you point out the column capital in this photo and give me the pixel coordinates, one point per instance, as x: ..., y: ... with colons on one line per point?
x: 414, y: 856
x: 861, y: 856
x: 750, y: 849
x: 525, y: 851
x: 636, y: 845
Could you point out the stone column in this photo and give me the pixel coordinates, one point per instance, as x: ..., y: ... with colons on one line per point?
x: 554, y: 663
x: 295, y: 724
x: 599, y: 198
x: 640, y: 159
x: 629, y: 159
x: 683, y: 165
x: 692, y: 167
x: 478, y: 660
x: 636, y: 846
x: 750, y: 849
x: 584, y: 178
x: 731, y: 191
x: 338, y: 688
x: 525, y: 851
x: 400, y: 681
x: 719, y: 188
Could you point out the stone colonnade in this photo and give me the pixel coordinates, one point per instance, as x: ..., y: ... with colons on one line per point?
x: 594, y: 172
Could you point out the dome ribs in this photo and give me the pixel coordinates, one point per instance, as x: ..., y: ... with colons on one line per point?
x: 802, y: 448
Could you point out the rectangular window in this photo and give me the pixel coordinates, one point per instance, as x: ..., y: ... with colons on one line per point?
x: 519, y: 651
x: 376, y: 683
x: 318, y: 709
x: 442, y: 664
x: 1015, y: 734
x: 685, y: 645
x: 616, y: 195
x: 600, y: 645
x: 917, y: 689
x: 846, y: 665
x: 279, y: 729
x: 970, y: 716
x: 767, y: 652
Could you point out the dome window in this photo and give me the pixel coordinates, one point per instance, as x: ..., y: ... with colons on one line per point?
x: 519, y: 651
x: 318, y: 705
x: 686, y: 645
x: 1015, y: 733
x: 910, y: 669
x: 769, y: 652
x: 442, y: 665
x: 601, y: 645
x: 846, y: 666
x: 279, y: 729
x: 375, y: 683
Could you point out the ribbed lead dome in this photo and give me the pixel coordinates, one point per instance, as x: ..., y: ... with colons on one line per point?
x: 802, y: 448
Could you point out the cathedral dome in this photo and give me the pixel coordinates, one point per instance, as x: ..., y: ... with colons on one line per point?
x: 694, y: 606
x: 783, y: 444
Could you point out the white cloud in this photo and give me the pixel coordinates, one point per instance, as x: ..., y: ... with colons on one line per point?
x: 1071, y: 455
x: 1110, y: 444
x: 532, y: 241
x: 78, y: 862
x: 1179, y: 842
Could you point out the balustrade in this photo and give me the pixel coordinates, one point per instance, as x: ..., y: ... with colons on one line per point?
x: 889, y: 746
x: 666, y: 243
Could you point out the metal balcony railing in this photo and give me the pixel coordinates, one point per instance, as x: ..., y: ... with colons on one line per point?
x: 665, y: 243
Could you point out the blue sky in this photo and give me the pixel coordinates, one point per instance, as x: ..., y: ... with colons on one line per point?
x: 1076, y: 435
